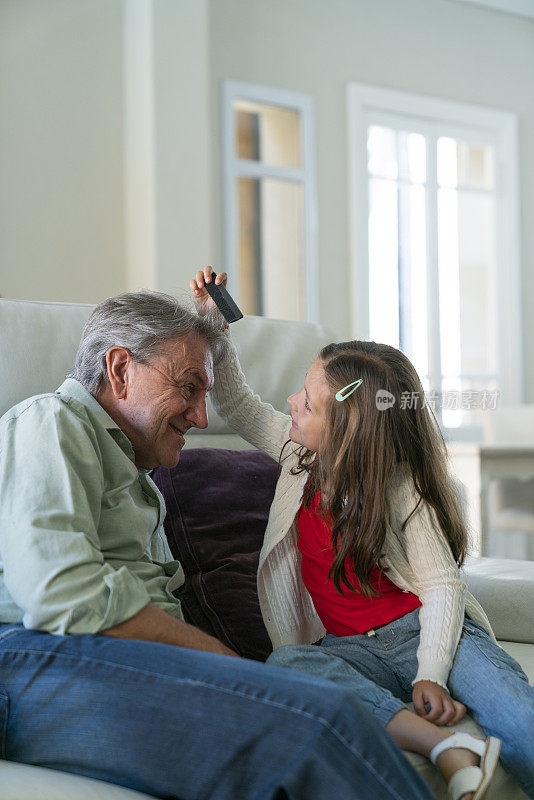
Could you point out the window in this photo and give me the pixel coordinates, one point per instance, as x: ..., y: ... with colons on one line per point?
x: 434, y: 210
x: 269, y: 201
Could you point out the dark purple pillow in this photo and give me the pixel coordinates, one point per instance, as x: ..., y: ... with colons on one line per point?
x: 217, y: 508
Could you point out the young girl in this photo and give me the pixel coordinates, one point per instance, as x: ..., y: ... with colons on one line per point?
x: 364, y: 540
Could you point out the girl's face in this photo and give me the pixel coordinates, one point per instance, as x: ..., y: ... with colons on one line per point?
x: 308, y: 409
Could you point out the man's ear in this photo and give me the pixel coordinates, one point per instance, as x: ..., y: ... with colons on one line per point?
x: 118, y: 362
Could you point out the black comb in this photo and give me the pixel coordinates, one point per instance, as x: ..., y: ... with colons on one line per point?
x: 223, y: 300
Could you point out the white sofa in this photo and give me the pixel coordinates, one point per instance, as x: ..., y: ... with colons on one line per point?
x: 37, y: 346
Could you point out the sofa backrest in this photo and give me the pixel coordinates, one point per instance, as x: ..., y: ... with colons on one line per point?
x: 38, y: 343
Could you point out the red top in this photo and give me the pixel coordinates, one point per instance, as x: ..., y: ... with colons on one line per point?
x: 348, y: 613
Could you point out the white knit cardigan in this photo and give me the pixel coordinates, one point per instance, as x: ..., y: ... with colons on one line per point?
x: 418, y: 559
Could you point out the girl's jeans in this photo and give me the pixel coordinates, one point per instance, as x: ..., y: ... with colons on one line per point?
x: 379, y: 670
x: 185, y: 724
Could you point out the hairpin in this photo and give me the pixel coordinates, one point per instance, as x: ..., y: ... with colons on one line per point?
x: 340, y: 396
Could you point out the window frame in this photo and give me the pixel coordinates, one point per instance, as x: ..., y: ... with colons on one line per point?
x: 434, y: 117
x: 234, y: 168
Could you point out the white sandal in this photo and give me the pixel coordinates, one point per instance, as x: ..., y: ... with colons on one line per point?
x: 471, y: 779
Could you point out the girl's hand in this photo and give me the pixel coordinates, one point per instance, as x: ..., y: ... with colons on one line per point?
x: 443, y: 709
x: 201, y: 298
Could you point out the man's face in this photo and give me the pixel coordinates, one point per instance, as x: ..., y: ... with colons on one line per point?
x: 165, y: 398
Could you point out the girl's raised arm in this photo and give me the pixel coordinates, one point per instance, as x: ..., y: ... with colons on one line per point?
x: 233, y: 399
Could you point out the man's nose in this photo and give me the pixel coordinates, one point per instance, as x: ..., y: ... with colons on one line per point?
x: 198, y: 415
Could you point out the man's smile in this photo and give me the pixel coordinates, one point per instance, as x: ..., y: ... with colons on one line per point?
x: 176, y: 430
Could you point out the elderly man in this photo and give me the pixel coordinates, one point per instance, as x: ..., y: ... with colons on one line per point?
x: 99, y: 672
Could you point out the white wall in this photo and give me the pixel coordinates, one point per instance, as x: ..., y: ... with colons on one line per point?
x: 435, y: 47
x: 105, y: 160
x: 167, y: 143
x: 61, y: 151
x: 183, y: 165
x: 66, y: 232
x: 139, y: 146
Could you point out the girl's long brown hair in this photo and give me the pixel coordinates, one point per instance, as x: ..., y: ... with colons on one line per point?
x: 363, y: 446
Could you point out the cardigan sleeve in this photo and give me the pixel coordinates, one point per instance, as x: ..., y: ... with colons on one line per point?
x: 244, y: 411
x: 437, y: 579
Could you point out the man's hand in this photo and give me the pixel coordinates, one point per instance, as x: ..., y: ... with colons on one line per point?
x: 151, y: 624
x: 443, y: 709
x: 201, y: 297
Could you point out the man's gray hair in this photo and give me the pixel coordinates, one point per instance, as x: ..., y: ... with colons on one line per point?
x: 142, y: 322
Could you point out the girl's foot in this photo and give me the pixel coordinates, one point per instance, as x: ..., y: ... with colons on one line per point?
x: 455, y: 759
x: 467, y: 763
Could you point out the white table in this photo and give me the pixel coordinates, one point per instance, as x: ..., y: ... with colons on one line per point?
x: 477, y: 465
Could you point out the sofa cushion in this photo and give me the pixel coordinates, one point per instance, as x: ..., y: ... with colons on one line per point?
x: 217, y: 507
x: 25, y: 782
x: 503, y: 786
x: 505, y: 590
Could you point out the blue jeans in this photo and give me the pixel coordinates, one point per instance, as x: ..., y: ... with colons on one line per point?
x: 379, y: 670
x: 185, y: 724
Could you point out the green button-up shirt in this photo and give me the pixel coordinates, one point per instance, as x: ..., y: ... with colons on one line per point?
x: 82, y: 546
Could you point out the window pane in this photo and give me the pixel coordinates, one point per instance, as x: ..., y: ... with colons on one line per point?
x: 383, y: 262
x: 468, y: 307
x: 270, y: 134
x: 475, y: 166
x: 468, y: 314
x: 466, y: 400
x: 465, y: 165
x: 382, y: 152
x: 393, y: 154
x: 271, y: 266
x: 449, y: 282
x: 283, y: 264
x: 447, y: 162
x: 249, y: 246
x: 397, y: 269
x: 412, y: 156
x: 248, y: 135
x: 412, y: 276
x: 478, y: 312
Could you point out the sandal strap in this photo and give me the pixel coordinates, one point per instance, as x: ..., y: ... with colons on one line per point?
x: 460, y: 739
x: 465, y: 780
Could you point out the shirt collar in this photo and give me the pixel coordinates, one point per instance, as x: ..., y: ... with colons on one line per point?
x: 73, y: 388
